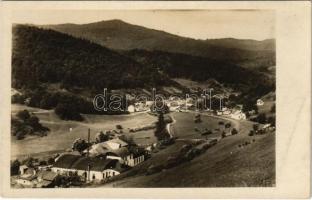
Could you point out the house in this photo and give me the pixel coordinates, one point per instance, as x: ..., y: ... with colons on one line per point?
x: 46, y: 178
x: 86, y: 167
x: 260, y: 102
x: 23, y: 169
x: 131, y: 109
x: 27, y: 177
x: 116, y: 143
x: 28, y: 180
x: 127, y: 157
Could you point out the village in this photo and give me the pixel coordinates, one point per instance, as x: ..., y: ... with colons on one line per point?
x: 113, y: 152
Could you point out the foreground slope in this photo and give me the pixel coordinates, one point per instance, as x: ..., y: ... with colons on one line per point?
x: 223, y: 165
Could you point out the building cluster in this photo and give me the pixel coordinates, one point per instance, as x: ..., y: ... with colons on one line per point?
x: 99, y: 162
x: 176, y: 104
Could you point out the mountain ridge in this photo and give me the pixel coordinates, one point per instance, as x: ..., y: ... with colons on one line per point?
x: 120, y: 35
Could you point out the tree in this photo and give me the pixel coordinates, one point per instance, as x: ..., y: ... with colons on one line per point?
x: 197, y: 118
x: 255, y: 127
x: 161, y: 132
x: 228, y: 125
x: 272, y: 109
x: 68, y: 111
x: 15, y: 167
x: 101, y: 137
x: 271, y: 120
x: 23, y: 115
x: 80, y: 145
x: 118, y: 126
x: 234, y: 131
x: 50, y: 161
x: 261, y: 118
x: 33, y: 121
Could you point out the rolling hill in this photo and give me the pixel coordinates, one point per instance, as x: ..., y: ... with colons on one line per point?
x: 116, y: 34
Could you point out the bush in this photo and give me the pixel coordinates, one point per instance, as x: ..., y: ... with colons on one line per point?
x: 152, y: 169
x: 185, y: 148
x: 50, y: 161
x: 251, y: 133
x: 68, y: 111
x: 15, y: 167
x: 18, y: 98
x: 118, y: 126
x: 234, y: 131
x: 23, y: 115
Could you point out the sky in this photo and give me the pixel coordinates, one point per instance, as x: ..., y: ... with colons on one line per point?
x: 197, y: 24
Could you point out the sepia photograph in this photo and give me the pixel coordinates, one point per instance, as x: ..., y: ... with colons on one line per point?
x: 144, y: 99
x: 198, y: 99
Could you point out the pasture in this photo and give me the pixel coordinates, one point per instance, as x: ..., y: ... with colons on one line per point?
x: 61, y: 138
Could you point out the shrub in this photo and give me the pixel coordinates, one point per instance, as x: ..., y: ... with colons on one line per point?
x: 251, y: 133
x: 50, y: 161
x: 234, y: 131
x: 118, y: 126
x: 15, y: 167
x: 68, y: 111
x: 152, y: 169
x: 18, y: 98
x: 23, y: 115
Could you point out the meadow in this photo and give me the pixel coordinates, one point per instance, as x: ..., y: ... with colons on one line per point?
x: 63, y: 133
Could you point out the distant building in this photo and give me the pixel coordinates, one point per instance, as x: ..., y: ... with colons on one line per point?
x: 131, y: 109
x: 239, y: 115
x: 260, y: 102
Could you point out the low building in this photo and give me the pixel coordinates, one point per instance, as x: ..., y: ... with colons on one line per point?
x: 27, y: 177
x: 239, y: 115
x: 127, y: 157
x: 131, y: 109
x: 28, y: 180
x: 86, y: 167
x: 23, y: 169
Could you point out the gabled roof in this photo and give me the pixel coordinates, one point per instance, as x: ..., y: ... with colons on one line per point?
x: 118, y: 141
x: 66, y: 161
x: 47, y: 175
x: 98, y: 149
x: 121, y: 152
x: 81, y: 163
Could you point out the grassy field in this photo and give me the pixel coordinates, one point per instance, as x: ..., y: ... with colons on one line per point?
x: 60, y: 138
x: 224, y: 165
x: 185, y: 125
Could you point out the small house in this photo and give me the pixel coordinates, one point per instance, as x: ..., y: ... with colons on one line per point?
x: 131, y: 109
x: 260, y: 102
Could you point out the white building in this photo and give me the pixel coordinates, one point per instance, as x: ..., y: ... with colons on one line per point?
x: 86, y: 167
x: 131, y: 109
x: 260, y: 102
x: 239, y: 115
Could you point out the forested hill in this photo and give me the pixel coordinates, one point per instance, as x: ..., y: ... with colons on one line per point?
x: 47, y: 56
x: 200, y: 69
x: 117, y: 34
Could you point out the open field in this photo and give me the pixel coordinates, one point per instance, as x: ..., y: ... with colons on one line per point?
x: 185, y: 125
x: 223, y: 165
x: 60, y: 138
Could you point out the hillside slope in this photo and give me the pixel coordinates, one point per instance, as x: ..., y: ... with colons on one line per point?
x: 117, y: 34
x: 223, y: 165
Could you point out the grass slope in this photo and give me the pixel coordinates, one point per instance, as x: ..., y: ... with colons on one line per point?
x: 224, y: 165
